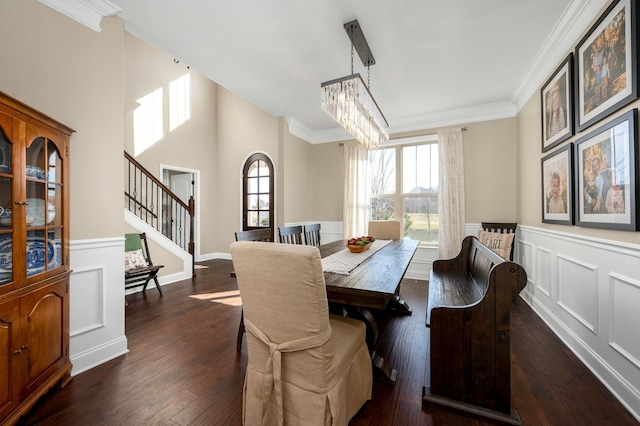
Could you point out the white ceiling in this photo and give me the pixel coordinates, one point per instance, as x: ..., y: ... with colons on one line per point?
x: 438, y: 62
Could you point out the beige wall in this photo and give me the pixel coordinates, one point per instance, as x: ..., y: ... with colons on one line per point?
x: 490, y: 171
x: 193, y: 145
x: 243, y: 129
x: 298, y: 177
x: 328, y: 184
x: 91, y: 95
x: 74, y: 75
x: 530, y: 180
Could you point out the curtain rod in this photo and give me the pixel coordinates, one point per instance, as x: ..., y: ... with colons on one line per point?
x: 463, y: 128
x: 391, y: 139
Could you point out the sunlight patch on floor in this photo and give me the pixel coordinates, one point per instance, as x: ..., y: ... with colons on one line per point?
x: 230, y: 298
x: 196, y: 266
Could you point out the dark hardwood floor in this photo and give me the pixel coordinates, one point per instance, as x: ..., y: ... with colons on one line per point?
x: 183, y: 369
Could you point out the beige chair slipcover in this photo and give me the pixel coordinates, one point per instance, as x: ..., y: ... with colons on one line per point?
x: 385, y: 229
x: 306, y: 367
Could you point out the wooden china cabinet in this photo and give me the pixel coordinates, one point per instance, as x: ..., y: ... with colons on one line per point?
x: 34, y: 257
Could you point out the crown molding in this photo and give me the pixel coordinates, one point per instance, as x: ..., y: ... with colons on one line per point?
x: 465, y: 115
x: 336, y: 134
x: 575, y: 20
x: 86, y: 12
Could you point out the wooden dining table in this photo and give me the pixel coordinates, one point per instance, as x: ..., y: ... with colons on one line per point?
x: 374, y: 284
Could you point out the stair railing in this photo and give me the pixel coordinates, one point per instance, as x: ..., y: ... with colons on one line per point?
x: 150, y: 200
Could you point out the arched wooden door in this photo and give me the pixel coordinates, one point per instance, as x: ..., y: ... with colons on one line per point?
x: 257, y: 189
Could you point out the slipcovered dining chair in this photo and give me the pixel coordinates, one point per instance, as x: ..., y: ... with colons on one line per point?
x: 304, y: 365
x: 262, y: 234
x: 385, y: 229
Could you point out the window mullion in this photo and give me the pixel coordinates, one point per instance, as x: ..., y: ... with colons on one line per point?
x: 397, y: 199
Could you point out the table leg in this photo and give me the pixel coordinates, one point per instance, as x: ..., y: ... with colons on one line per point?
x: 397, y: 304
x: 381, y: 369
x: 365, y: 316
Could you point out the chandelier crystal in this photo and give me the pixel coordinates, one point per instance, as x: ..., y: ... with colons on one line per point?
x: 348, y: 101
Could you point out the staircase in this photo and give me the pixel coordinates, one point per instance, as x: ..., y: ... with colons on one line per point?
x: 153, y: 203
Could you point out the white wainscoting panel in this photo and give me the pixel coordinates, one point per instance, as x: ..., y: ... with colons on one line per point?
x: 577, y: 290
x: 625, y: 317
x: 588, y: 291
x: 96, y: 317
x: 544, y: 278
x: 88, y: 300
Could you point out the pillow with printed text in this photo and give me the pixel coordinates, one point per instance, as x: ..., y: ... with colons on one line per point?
x: 497, y: 242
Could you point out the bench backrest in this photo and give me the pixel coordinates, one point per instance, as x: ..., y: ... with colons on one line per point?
x: 480, y: 261
x: 477, y: 260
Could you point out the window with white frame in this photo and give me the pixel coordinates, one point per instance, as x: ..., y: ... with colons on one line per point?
x: 403, y: 185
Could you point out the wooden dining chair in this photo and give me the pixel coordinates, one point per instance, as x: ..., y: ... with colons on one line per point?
x: 262, y: 234
x: 312, y: 234
x: 290, y: 234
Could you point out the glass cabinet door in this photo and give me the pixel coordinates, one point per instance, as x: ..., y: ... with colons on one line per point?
x: 6, y: 201
x: 43, y: 206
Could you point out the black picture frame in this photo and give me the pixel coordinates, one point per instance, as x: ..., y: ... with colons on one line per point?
x: 606, y: 58
x: 557, y: 105
x: 557, y: 186
x: 606, y: 175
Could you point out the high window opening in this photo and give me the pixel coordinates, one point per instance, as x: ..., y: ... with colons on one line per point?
x: 179, y: 101
x: 154, y: 111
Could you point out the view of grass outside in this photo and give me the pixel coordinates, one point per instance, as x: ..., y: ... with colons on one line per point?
x: 420, y: 219
x: 417, y: 204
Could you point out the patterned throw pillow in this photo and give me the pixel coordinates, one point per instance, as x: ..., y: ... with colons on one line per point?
x: 134, y: 260
x: 497, y: 242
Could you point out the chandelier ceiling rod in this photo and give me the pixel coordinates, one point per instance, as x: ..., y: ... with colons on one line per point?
x: 360, y: 43
x: 349, y: 101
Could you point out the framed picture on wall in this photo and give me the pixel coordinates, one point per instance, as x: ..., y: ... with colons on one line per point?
x: 557, y: 186
x: 606, y: 76
x: 557, y: 106
x: 606, y: 175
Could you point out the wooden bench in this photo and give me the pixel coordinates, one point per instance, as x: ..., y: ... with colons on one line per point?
x: 468, y: 311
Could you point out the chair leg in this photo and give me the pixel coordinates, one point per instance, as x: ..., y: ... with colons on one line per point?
x: 155, y: 278
x: 240, y: 333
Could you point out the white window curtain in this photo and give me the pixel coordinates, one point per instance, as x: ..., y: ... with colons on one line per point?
x: 356, y: 164
x: 450, y: 193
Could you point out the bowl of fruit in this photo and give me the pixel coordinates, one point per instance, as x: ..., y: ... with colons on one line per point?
x: 358, y: 245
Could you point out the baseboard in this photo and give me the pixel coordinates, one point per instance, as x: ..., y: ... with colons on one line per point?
x: 98, y: 355
x: 429, y: 399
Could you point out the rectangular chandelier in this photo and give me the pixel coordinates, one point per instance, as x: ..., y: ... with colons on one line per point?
x: 348, y: 101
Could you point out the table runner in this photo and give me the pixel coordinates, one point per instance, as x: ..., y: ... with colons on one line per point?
x: 343, y: 262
